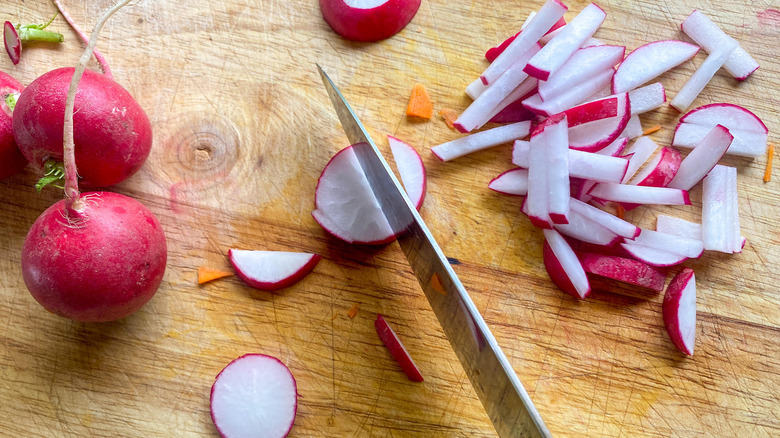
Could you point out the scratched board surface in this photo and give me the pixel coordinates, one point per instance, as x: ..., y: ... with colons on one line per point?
x: 242, y: 129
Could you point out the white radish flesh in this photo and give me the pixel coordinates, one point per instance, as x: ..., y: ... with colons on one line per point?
x: 720, y: 211
x: 633, y: 128
x: 660, y: 170
x: 255, y: 395
x: 556, y: 136
x: 608, y: 221
x: 569, y: 262
x: 702, y: 158
x: 583, y: 165
x: 541, y: 23
x: 702, y: 76
x: 586, y: 230
x: 481, y: 140
x: 511, y: 182
x: 555, y: 53
x: 649, y: 61
x: 678, y: 227
x: 640, y: 152
x: 647, y: 98
x: 691, y: 248
x: 571, y: 97
x: 679, y: 310
x: 411, y: 169
x: 522, y: 91
x: 653, y: 256
x: 745, y: 143
x: 537, y: 201
x: 272, y: 270
x: 615, y: 149
x: 639, y: 194
x: 709, y: 36
x: 583, y: 64
x: 596, y: 135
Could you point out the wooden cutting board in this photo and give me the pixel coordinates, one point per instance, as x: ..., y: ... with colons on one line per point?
x: 242, y: 130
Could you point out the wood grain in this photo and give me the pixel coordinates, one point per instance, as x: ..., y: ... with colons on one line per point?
x: 242, y: 130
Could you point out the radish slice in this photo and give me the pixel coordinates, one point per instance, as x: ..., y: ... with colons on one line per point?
x: 272, y: 270
x: 709, y: 36
x: 13, y: 45
x: 661, y: 170
x: 596, y: 135
x: 368, y: 20
x: 647, y: 98
x: 345, y: 205
x: 691, y: 248
x: 571, y: 97
x: 702, y: 76
x: 583, y: 64
x: 608, y: 221
x: 590, y: 42
x: 649, y: 61
x: 624, y: 270
x: 653, y: 256
x: 571, y: 37
x: 511, y: 182
x: 582, y: 229
x: 397, y: 349
x: 537, y: 202
x: 639, y: 194
x: 640, y: 152
x: 702, y: 158
x: 745, y: 143
x: 481, y: 140
x: 255, y: 395
x: 493, y: 52
x: 541, y: 23
x: 556, y: 137
x: 592, y: 111
x: 633, y: 128
x: 569, y: 263
x: 583, y: 165
x: 615, y: 149
x: 678, y: 227
x: 679, y: 310
x: 729, y: 115
x: 720, y: 211
x: 474, y: 89
x: 511, y: 109
x: 481, y: 110
x: 412, y: 170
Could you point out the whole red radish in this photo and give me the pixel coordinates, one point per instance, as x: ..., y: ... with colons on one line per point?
x: 368, y: 20
x: 112, y: 133
x: 100, y: 264
x: 11, y: 159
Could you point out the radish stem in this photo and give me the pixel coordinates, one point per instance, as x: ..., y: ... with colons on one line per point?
x: 37, y: 32
x: 99, y: 56
x: 72, y: 194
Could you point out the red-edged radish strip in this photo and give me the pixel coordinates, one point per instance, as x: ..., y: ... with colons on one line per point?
x: 720, y: 211
x: 649, y: 61
x: 481, y: 110
x: 511, y: 182
x: 569, y: 263
x: 572, y: 97
x: 368, y: 20
x: 585, y: 165
x: 653, y: 256
x: 582, y: 229
x: 583, y: 64
x: 537, y: 202
x: 702, y: 76
x: 679, y: 310
x: 557, y: 273
x: 411, y: 169
x: 481, y: 140
x: 702, y: 158
x: 345, y: 205
x: 571, y: 37
x: 492, y: 53
x: 640, y: 152
x: 727, y: 114
x: 690, y: 248
x: 633, y: 128
x: 594, y: 110
x: 397, y: 349
x: 615, y: 149
x: 598, y: 134
x: 556, y: 137
x: 639, y: 194
x: 511, y: 109
x: 745, y: 143
x: 272, y: 270
x: 647, y: 98
x: 254, y: 395
x: 540, y: 24
x: 678, y: 227
x: 709, y: 36
x: 624, y: 270
x: 660, y: 170
x: 608, y: 221
x: 474, y: 89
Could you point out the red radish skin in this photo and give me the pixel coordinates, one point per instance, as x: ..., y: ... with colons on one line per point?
x: 112, y: 134
x: 624, y: 270
x: 679, y: 310
x: 272, y: 270
x: 397, y: 349
x: 375, y: 21
x: 254, y: 395
x: 101, y: 265
x: 11, y: 159
x: 661, y: 172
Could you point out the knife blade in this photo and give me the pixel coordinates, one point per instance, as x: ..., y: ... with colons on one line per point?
x: 499, y: 389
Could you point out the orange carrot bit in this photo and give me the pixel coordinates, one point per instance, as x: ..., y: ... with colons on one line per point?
x: 770, y: 155
x: 449, y: 116
x: 420, y: 104
x: 335, y: 315
x: 620, y: 211
x: 353, y: 311
x: 652, y: 129
x: 436, y: 284
x: 207, y: 274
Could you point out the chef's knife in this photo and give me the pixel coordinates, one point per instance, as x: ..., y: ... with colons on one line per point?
x: 495, y: 382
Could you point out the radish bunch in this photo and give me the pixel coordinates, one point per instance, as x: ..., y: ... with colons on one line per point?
x: 582, y: 99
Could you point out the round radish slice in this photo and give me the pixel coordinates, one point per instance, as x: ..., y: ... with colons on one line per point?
x: 254, y: 396
x: 368, y: 20
x: 345, y: 205
x: 729, y: 115
x: 272, y: 270
x: 411, y: 169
